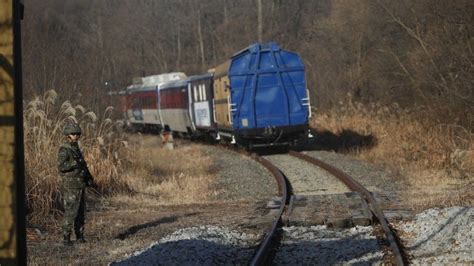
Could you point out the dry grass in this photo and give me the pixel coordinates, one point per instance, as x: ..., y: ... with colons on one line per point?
x: 158, y: 175
x: 135, y: 165
x: 43, y: 125
x: 435, y: 160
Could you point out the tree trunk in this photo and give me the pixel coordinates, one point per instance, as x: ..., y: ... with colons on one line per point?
x: 199, y: 32
x: 260, y: 20
x: 178, y: 44
x: 225, y: 12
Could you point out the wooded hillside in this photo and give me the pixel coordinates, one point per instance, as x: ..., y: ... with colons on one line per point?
x: 417, y: 54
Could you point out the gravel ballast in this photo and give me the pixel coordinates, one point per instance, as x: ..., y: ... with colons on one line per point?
x: 305, y: 178
x: 317, y: 245
x: 203, y: 245
x: 373, y: 177
x: 212, y: 245
x: 436, y: 236
x: 240, y: 177
x: 440, y: 236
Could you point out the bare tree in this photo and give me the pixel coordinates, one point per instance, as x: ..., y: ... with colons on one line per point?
x: 260, y: 20
x: 412, y: 53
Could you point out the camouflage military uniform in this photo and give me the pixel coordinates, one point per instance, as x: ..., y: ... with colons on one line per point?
x: 75, y: 176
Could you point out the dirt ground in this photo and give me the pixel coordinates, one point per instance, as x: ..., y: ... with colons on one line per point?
x: 121, y: 225
x: 117, y: 229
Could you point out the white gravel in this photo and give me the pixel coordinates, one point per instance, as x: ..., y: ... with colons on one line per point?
x: 212, y: 245
x: 440, y: 236
x: 318, y: 245
x: 435, y: 236
x: 305, y: 178
x: 203, y: 245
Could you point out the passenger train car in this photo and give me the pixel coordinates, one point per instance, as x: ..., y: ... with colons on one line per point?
x: 186, y: 105
x: 141, y: 103
x: 257, y: 98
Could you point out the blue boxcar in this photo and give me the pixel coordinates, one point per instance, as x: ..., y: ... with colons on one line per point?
x: 269, y: 99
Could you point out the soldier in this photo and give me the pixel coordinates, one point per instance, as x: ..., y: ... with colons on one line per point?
x: 75, y: 177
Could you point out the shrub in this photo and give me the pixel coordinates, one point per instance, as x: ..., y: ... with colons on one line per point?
x: 429, y: 155
x: 101, y: 143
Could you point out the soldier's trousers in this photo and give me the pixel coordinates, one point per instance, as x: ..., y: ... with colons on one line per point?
x: 74, y: 210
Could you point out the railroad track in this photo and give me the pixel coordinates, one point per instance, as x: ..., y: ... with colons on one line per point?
x: 271, y: 241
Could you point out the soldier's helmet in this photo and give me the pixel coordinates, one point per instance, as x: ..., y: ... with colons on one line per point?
x: 72, y: 128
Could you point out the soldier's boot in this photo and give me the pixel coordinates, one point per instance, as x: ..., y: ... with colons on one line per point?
x: 67, y: 239
x: 80, y: 237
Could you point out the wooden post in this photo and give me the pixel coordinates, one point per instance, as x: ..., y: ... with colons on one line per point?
x: 12, y: 212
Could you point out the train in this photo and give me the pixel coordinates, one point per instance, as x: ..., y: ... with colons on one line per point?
x: 258, y: 97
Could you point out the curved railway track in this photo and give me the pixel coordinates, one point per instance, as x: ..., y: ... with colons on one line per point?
x: 270, y: 242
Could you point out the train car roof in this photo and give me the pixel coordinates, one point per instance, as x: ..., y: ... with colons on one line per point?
x: 174, y: 84
x: 150, y: 83
x: 139, y: 88
x: 200, y: 77
x: 163, y: 78
x: 253, y: 48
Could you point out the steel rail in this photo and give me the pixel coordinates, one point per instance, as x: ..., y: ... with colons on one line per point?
x: 263, y: 252
x: 356, y: 186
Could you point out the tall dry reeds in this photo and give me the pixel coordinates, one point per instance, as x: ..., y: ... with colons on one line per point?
x: 101, y: 144
x: 430, y: 156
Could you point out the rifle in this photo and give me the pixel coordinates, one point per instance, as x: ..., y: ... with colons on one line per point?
x: 85, y: 171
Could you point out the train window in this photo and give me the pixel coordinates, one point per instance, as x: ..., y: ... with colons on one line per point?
x: 135, y: 103
x: 204, y: 92
x: 200, y: 93
x: 195, y: 93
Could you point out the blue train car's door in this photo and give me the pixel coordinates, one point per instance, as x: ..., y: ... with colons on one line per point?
x: 271, y: 98
x: 268, y: 88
